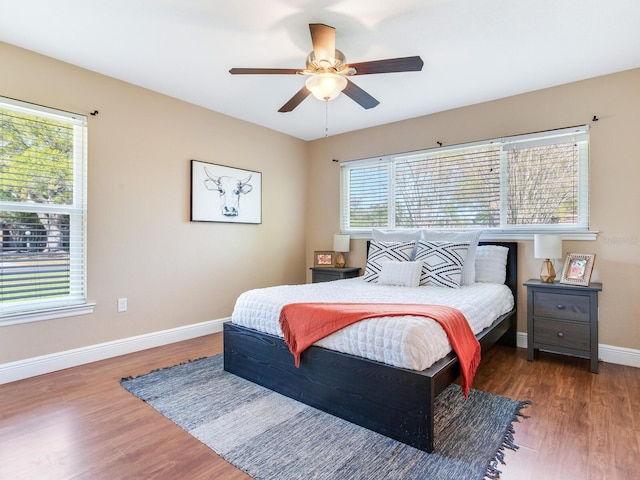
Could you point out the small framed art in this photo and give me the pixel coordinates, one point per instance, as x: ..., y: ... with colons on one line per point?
x: 324, y: 259
x: 577, y: 269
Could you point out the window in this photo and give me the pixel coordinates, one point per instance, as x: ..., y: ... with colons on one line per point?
x: 525, y: 183
x: 43, y: 158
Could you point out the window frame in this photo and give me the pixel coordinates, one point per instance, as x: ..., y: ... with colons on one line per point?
x: 75, y: 302
x: 578, y: 231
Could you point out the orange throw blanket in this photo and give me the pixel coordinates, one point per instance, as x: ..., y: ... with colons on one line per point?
x: 303, y: 324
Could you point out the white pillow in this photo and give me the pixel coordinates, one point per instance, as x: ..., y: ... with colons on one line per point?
x: 401, y: 274
x: 378, y: 235
x: 442, y: 263
x: 395, y: 235
x: 379, y: 252
x: 471, y: 237
x: 491, y: 264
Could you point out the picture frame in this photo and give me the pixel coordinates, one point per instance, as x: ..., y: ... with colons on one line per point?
x: 578, y: 268
x: 324, y: 259
x: 225, y: 194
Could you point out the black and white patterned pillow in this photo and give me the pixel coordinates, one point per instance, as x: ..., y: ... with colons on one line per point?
x: 471, y: 237
x: 381, y: 252
x: 442, y: 263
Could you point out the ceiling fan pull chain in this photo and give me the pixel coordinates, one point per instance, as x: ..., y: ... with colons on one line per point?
x: 326, y: 118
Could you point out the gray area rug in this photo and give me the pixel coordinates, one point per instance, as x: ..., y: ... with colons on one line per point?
x: 270, y: 436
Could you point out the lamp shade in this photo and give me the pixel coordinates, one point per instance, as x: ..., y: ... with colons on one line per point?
x: 547, y: 246
x: 326, y: 86
x: 341, y: 242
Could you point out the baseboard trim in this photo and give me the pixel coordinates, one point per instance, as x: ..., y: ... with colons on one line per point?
x: 606, y: 353
x: 620, y: 355
x: 31, y: 367
x: 521, y: 340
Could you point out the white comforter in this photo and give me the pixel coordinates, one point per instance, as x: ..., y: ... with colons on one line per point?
x: 405, y: 341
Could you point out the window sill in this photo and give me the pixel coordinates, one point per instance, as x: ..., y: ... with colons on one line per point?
x: 488, y: 235
x: 50, y: 314
x: 513, y: 236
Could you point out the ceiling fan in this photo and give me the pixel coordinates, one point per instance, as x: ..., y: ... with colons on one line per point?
x: 327, y: 71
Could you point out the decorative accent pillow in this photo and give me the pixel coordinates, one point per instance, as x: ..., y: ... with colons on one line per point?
x: 471, y: 237
x: 442, y: 263
x: 401, y: 274
x: 396, y: 236
x: 379, y: 252
x: 491, y: 264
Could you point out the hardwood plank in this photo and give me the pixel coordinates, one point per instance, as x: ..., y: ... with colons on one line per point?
x: 80, y: 424
x: 572, y: 432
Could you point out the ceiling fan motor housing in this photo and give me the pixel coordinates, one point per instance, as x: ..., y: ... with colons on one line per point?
x: 326, y: 65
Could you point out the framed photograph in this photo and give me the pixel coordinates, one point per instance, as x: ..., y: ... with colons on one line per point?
x: 577, y: 269
x: 225, y: 194
x: 324, y: 259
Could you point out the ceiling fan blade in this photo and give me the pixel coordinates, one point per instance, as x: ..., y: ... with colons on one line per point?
x: 295, y: 100
x: 358, y: 95
x: 390, y: 65
x: 264, y: 71
x: 323, y: 38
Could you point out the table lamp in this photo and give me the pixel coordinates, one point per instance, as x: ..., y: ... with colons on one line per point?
x: 547, y: 247
x: 341, y: 246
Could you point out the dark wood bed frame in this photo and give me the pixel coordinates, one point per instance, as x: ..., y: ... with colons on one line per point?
x: 389, y: 400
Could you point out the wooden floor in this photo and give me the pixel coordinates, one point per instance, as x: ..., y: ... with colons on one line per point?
x: 80, y: 424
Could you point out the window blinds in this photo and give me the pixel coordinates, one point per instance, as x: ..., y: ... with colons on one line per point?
x: 42, y: 208
x: 533, y: 180
x: 448, y: 189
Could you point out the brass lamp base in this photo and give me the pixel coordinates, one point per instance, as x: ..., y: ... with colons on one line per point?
x: 340, y: 261
x: 547, y: 272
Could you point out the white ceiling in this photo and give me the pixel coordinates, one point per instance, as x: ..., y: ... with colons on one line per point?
x: 474, y: 50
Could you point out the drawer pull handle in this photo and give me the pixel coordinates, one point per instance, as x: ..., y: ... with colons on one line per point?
x: 560, y: 306
x: 560, y: 334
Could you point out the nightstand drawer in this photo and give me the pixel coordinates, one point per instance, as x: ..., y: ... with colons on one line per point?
x: 561, y: 334
x: 561, y: 305
x: 326, y: 274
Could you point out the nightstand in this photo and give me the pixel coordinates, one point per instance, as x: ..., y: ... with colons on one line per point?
x: 326, y: 274
x: 563, y: 319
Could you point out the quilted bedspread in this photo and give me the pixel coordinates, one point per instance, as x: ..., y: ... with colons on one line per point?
x: 404, y: 341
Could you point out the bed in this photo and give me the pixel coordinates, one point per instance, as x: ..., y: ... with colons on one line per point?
x: 392, y: 400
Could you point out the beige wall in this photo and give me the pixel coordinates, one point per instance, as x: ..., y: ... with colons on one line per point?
x: 615, y: 175
x: 174, y: 272
x: 141, y: 244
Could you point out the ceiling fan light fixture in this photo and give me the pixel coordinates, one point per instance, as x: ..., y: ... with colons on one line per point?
x: 326, y: 86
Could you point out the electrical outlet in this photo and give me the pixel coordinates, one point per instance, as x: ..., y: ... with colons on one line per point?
x: 122, y: 305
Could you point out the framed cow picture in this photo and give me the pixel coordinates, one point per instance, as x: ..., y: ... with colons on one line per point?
x: 225, y: 194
